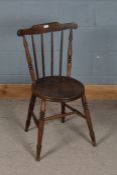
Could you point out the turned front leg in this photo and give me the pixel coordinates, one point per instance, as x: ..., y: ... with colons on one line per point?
x: 40, y: 129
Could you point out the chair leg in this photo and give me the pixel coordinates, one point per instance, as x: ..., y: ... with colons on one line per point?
x: 30, y: 109
x: 62, y: 112
x: 88, y: 119
x: 40, y: 129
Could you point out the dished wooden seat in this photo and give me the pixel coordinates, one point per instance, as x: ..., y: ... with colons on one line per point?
x: 58, y: 88
x: 48, y: 81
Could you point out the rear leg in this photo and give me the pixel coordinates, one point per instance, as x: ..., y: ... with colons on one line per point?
x: 30, y: 110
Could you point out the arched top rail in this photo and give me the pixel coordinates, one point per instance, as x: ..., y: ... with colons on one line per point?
x: 46, y: 27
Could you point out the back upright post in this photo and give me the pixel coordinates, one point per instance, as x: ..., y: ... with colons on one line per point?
x: 29, y: 60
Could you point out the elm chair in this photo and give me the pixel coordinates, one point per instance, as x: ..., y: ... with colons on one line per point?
x: 52, y: 86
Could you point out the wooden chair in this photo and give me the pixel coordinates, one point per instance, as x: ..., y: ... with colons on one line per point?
x: 52, y: 87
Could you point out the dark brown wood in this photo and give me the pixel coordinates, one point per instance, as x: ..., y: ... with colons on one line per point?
x: 58, y: 116
x: 43, y: 56
x: 55, y: 87
x: 29, y: 60
x: 61, y: 53
x: 88, y: 119
x: 69, y: 54
x: 30, y: 110
x: 58, y: 88
x: 35, y: 119
x: 40, y: 129
x: 52, y: 53
x: 45, y: 28
x: 35, y: 57
x: 44, y: 24
x: 63, y: 112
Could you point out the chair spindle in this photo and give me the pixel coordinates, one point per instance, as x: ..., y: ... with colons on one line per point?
x: 52, y: 53
x: 35, y: 57
x: 69, y: 53
x: 61, y: 53
x: 42, y: 54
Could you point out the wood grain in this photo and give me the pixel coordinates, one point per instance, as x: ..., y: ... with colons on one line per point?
x: 15, y: 91
x: 93, y: 92
x: 101, y: 92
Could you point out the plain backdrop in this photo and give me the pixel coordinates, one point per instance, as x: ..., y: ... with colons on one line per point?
x: 95, y: 42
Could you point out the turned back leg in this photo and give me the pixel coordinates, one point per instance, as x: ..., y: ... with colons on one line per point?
x: 62, y: 112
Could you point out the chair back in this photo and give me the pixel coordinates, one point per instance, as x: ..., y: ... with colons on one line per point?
x: 42, y: 43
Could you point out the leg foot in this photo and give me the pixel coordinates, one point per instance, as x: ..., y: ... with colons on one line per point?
x: 88, y: 119
x: 38, y: 153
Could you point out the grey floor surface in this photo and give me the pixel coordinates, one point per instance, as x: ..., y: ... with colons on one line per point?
x: 66, y: 147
